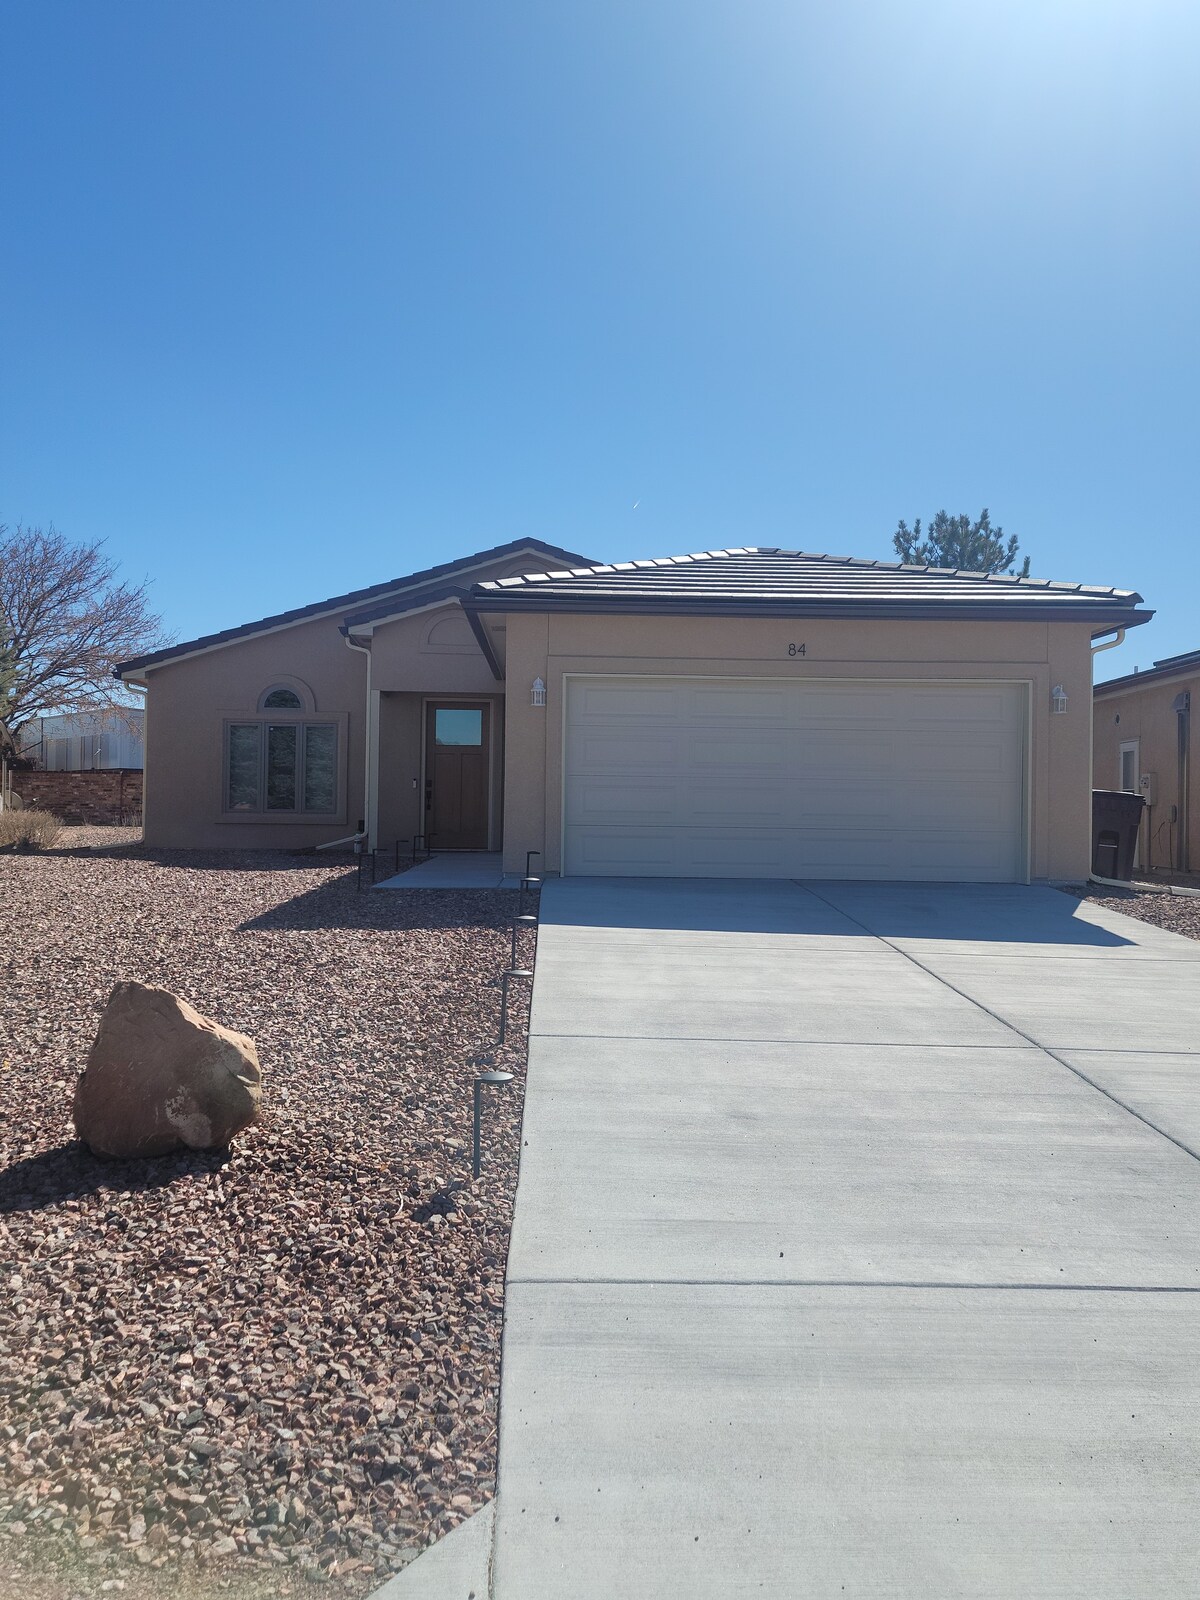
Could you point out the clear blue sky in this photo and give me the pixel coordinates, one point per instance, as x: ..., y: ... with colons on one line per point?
x: 300, y: 296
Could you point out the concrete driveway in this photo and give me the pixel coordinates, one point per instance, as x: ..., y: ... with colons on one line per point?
x: 857, y: 1248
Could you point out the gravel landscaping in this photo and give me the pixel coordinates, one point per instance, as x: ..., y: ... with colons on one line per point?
x: 1179, y: 913
x: 263, y: 1371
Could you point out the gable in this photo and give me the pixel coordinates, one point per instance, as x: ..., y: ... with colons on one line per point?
x: 526, y: 553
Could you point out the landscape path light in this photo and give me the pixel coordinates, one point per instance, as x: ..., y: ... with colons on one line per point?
x: 498, y: 1078
x: 528, y: 882
x: 506, y: 978
x: 523, y: 919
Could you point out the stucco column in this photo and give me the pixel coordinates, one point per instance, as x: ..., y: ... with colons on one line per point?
x: 1069, y: 751
x: 526, y: 731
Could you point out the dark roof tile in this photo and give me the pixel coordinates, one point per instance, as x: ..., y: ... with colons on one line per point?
x: 340, y: 602
x: 802, y: 582
x: 1161, y: 672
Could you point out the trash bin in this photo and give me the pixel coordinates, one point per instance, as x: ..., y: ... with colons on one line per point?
x: 1116, y: 817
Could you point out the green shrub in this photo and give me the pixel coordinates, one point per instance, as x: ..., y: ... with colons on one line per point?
x: 28, y: 830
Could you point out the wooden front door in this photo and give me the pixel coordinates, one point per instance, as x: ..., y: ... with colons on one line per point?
x: 458, y: 738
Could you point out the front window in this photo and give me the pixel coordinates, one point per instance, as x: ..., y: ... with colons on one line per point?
x: 283, y: 746
x: 282, y: 700
x: 282, y: 767
x: 244, y: 742
x: 320, y: 767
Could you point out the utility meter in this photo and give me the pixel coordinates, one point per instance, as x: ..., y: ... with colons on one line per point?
x: 1148, y: 784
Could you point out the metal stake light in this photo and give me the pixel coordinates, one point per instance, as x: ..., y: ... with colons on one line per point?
x: 525, y: 919
x: 497, y: 1078
x: 514, y: 972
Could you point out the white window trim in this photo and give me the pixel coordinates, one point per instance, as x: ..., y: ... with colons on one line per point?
x: 1135, y: 746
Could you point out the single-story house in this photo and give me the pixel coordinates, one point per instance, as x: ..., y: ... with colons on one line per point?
x: 1142, y: 742
x: 729, y: 713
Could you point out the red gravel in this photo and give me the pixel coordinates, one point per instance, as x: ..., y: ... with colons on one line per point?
x: 283, y: 1362
x: 1178, y: 913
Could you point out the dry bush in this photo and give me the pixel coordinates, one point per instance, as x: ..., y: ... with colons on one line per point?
x: 29, y: 830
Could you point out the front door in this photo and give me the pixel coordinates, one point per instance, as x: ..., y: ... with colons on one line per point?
x: 457, y: 761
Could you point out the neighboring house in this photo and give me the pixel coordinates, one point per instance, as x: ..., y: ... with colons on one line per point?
x: 1143, y: 742
x: 84, y: 741
x: 748, y: 712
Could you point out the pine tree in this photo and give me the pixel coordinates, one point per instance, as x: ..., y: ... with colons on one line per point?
x: 958, y: 542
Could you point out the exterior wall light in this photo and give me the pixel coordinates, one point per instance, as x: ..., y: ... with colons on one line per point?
x: 1058, y: 700
x: 537, y: 694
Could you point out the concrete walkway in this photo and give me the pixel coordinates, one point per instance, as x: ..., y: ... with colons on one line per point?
x: 857, y: 1248
x: 458, y: 869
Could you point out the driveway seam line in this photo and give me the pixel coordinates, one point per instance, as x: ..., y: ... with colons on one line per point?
x: 724, y: 1038
x: 867, y: 1283
x: 1011, y: 1026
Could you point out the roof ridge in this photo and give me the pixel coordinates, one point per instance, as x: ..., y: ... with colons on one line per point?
x: 650, y: 563
x: 948, y: 572
x: 633, y: 564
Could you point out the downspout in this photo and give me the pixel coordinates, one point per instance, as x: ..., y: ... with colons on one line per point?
x: 365, y: 649
x: 1108, y: 644
x: 1182, y: 707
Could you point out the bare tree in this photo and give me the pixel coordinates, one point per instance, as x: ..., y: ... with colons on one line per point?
x: 64, y: 622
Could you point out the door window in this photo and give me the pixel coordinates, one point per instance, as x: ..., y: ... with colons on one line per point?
x: 458, y: 725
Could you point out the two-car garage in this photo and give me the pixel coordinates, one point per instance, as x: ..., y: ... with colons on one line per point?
x: 763, y: 712
x: 796, y: 778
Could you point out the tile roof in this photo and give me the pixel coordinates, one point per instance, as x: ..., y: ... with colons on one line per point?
x: 283, y: 619
x: 758, y: 579
x: 1183, y: 666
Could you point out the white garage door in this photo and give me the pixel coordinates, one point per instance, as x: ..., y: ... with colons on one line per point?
x: 729, y: 777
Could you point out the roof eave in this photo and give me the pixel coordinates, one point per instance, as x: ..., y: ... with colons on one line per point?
x: 1142, y: 680
x: 427, y: 600
x: 1105, y: 616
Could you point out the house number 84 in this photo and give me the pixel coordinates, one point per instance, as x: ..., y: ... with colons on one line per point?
x: 796, y: 649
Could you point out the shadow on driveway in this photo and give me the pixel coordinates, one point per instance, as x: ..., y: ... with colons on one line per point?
x: 967, y: 913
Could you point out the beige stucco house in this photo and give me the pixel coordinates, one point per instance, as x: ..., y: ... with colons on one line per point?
x: 1143, y: 743
x: 745, y: 712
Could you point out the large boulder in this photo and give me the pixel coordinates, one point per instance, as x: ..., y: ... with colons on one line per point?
x: 161, y: 1077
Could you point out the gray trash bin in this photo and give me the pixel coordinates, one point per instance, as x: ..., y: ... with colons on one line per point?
x: 1116, y: 817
